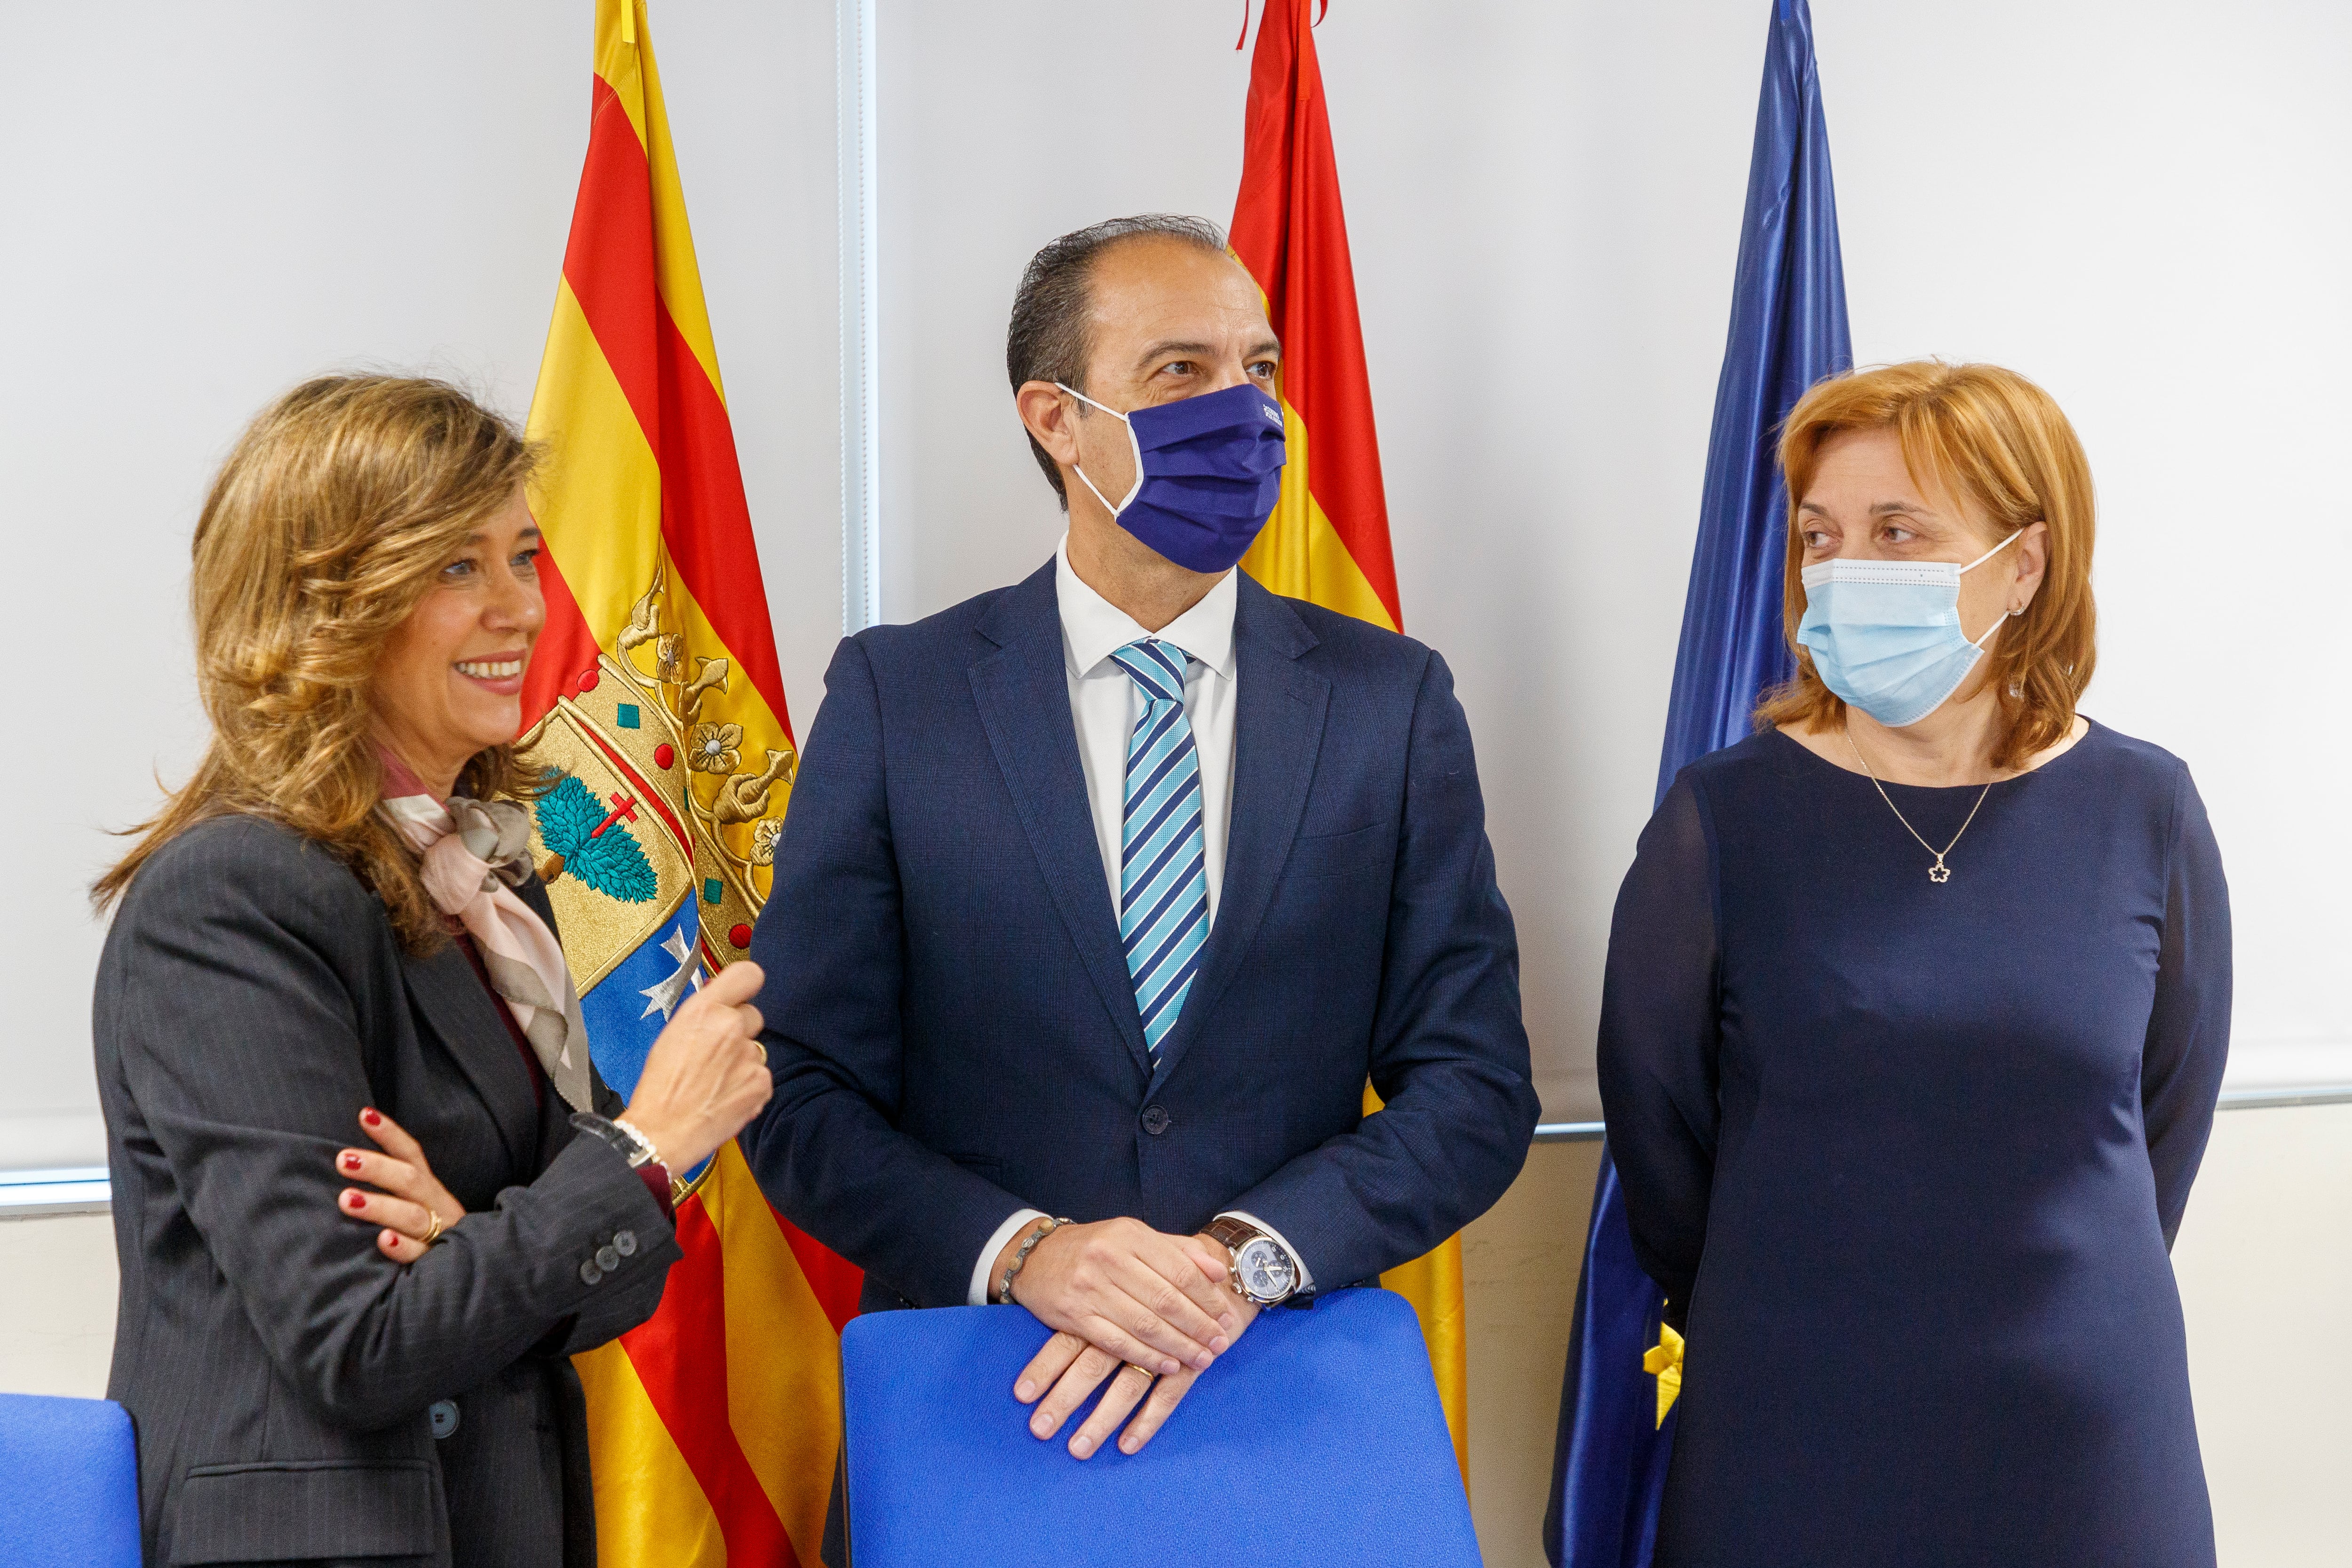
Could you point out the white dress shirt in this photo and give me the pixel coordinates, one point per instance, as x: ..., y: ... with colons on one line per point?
x: 1104, y: 704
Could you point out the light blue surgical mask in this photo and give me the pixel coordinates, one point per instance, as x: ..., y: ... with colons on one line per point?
x: 1886, y: 635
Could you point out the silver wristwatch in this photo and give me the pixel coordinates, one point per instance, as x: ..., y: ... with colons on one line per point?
x: 1262, y: 1272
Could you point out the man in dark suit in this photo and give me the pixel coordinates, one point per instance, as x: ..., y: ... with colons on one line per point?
x: 1103, y: 895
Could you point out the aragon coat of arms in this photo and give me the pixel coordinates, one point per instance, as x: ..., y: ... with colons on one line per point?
x: 645, y: 804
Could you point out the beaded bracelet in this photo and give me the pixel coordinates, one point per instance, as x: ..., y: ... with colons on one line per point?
x: 1004, y: 1286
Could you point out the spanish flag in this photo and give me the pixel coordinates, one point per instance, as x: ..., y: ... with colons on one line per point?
x: 665, y: 756
x: 1328, y: 540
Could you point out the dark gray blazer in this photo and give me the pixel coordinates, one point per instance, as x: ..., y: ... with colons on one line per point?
x: 287, y: 1380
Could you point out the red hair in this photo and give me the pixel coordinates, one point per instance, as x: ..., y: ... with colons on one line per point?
x: 1990, y: 437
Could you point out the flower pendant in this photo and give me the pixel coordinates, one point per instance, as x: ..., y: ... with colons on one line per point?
x: 1940, y: 872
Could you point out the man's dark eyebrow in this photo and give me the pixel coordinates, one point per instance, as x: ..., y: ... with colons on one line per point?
x: 1196, y: 351
x: 1171, y: 346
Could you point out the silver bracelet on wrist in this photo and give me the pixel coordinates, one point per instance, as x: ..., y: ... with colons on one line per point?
x: 651, y: 1155
x: 1004, y: 1286
x: 622, y: 1137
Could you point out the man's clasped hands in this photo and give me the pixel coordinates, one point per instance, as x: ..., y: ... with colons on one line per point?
x: 1148, y: 1310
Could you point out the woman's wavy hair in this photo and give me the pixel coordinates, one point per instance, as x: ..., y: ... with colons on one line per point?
x: 1993, y: 436
x: 331, y: 521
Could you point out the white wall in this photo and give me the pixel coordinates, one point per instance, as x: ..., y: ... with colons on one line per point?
x: 2148, y: 208
x: 2140, y: 206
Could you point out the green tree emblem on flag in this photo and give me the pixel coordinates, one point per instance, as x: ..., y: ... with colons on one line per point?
x: 593, y: 840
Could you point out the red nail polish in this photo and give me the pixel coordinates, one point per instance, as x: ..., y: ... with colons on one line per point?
x: 353, y: 1200
x: 371, y: 1117
x: 351, y: 1161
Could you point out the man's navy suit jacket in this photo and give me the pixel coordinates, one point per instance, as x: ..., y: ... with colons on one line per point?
x: 949, y: 1019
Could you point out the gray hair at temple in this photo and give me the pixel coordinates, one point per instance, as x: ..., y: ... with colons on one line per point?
x: 1047, y: 338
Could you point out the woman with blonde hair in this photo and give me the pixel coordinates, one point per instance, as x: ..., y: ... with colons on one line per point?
x: 1913, y: 1025
x: 329, y: 959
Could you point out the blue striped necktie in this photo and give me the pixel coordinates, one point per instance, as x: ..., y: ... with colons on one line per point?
x: 1163, y: 905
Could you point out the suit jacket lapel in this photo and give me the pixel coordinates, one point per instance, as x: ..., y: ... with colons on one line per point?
x: 464, y: 1013
x: 1023, y: 697
x: 1278, y: 711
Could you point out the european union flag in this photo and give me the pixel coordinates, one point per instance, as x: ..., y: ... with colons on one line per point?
x: 1788, y: 331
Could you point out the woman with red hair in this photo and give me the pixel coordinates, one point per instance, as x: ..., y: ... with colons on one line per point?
x: 1917, y: 1006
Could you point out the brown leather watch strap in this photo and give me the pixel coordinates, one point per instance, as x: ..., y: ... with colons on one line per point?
x: 1231, y: 1234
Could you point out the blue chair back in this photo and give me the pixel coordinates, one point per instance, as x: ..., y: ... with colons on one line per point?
x: 69, y: 1483
x: 1318, y: 1438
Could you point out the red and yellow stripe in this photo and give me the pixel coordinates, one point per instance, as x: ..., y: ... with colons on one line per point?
x: 713, y: 1427
x: 1328, y: 540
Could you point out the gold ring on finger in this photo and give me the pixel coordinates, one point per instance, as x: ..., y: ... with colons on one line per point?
x: 432, y: 1231
x: 762, y: 1050
x: 1147, y: 1374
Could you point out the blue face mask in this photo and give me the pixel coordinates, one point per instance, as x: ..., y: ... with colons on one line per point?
x: 1208, y: 470
x: 1886, y: 635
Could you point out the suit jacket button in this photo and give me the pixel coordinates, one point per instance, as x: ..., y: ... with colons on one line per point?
x: 608, y: 1258
x: 1156, y: 1120
x: 590, y: 1273
x: 625, y: 1242
x: 444, y: 1417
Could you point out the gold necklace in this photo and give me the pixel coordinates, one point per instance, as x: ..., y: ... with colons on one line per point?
x: 1939, y: 872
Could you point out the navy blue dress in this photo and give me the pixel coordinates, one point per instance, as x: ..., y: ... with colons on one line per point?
x: 1908, y: 1158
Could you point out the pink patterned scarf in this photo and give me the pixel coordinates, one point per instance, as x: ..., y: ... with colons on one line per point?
x: 476, y: 853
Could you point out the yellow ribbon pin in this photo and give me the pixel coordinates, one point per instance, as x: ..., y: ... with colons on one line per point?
x: 1664, y: 1361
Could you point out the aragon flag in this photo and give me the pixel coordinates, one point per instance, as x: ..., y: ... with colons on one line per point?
x: 656, y: 716
x: 1328, y: 540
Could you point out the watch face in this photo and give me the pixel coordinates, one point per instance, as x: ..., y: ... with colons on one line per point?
x: 1266, y: 1272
